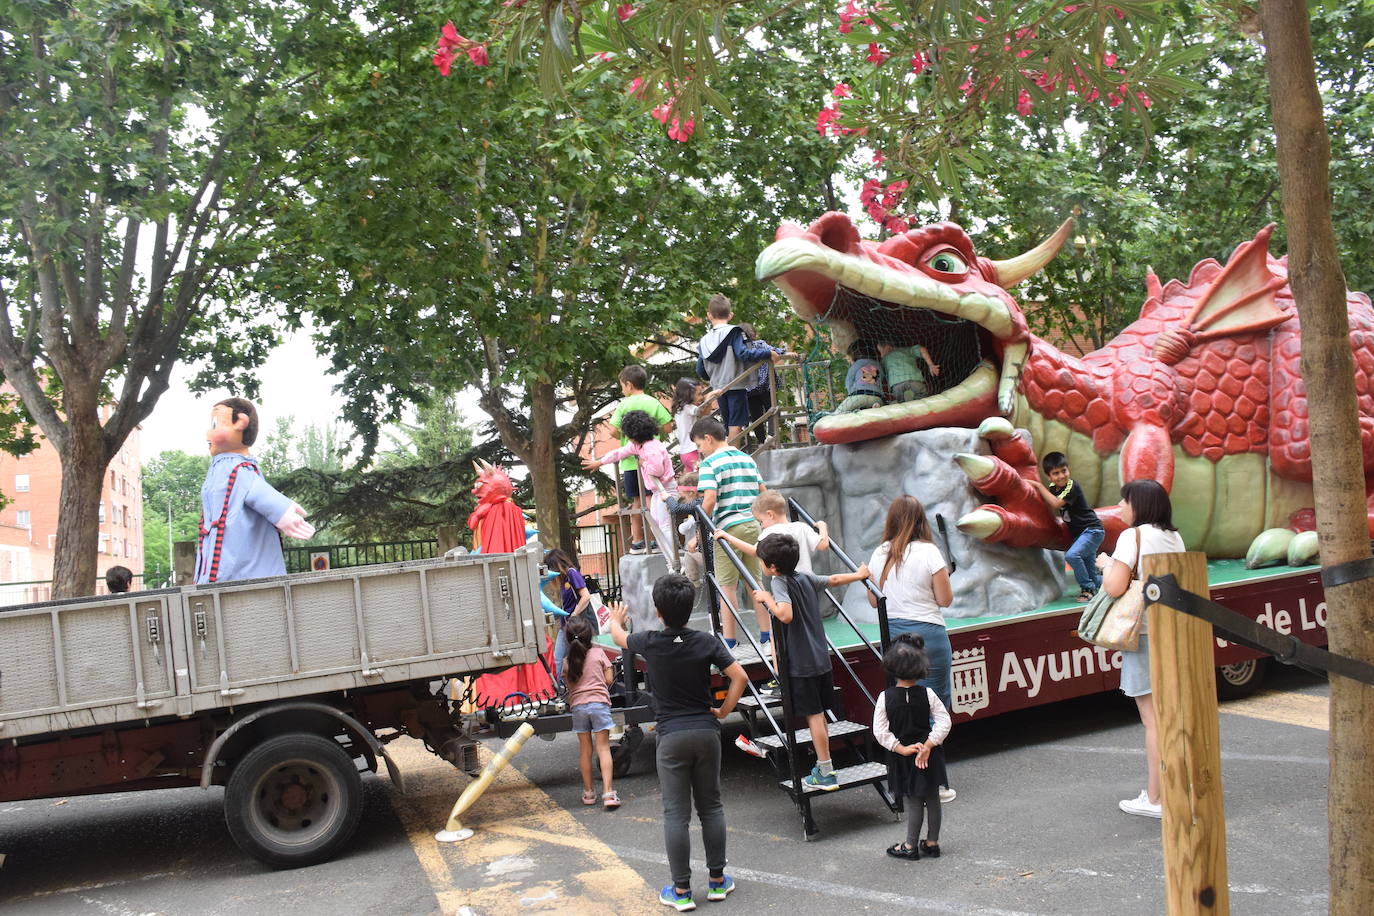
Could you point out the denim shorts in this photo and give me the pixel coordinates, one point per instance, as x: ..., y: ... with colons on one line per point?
x: 591, y: 717
x: 1135, y: 670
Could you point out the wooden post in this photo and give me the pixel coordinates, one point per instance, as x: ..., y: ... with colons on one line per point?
x: 1182, y: 674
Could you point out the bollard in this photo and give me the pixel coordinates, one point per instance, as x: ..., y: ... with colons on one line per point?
x: 454, y: 831
x: 1185, y: 700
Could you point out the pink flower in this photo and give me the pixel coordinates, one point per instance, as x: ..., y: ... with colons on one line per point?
x: 824, y: 118
x: 895, y: 225
x: 443, y: 59
x: 1144, y: 99
x: 879, y: 157
x: 966, y: 87
x: 1070, y: 9
x: 449, y: 37
x: 1023, y: 104
x: 919, y: 62
x: 1088, y: 94
x: 683, y: 132
x: 875, y: 54
x: 625, y: 11
x: 636, y: 87
x: 478, y: 55
x: 515, y: 3
x: 662, y: 112
x: 1109, y: 59
x: 606, y: 55
x: 841, y: 91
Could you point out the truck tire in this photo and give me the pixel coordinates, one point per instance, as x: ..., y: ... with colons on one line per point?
x: 293, y: 800
x: 1235, y: 682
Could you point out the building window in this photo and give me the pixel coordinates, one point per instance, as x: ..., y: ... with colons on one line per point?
x: 112, y: 480
x: 22, y: 518
x: 104, y: 543
x: 21, y: 483
x: 101, y: 512
x: 127, y: 551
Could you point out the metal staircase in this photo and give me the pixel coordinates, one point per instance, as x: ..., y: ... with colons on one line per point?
x: 770, y: 718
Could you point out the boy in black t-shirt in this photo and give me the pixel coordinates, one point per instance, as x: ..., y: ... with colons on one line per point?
x: 796, y: 603
x: 679, y: 663
x: 1064, y: 496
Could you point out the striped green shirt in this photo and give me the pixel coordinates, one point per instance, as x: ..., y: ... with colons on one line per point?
x: 735, y: 478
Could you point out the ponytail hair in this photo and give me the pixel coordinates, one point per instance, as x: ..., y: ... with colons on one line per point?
x: 578, y: 632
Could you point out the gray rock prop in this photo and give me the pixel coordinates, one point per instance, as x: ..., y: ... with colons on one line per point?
x: 850, y: 487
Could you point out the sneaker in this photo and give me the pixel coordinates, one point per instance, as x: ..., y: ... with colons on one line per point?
x: 947, y: 795
x: 636, y: 547
x: 1141, y: 805
x: 719, y: 891
x: 772, y: 688
x: 816, y: 781
x: 669, y: 897
x: 750, y: 748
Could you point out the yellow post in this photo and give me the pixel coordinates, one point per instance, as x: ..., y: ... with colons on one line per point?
x: 1182, y: 673
x: 454, y: 830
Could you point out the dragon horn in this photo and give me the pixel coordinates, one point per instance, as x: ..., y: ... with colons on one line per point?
x: 1013, y: 270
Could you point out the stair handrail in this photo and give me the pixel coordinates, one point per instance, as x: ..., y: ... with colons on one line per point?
x: 707, y: 529
x: 884, y: 634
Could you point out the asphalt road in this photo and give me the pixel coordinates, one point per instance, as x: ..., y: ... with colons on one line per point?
x: 1035, y: 830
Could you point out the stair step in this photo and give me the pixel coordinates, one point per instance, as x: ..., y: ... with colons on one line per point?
x: 749, y: 701
x: 803, y: 735
x: 863, y: 774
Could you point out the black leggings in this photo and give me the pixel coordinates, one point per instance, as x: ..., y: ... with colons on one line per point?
x: 916, y: 807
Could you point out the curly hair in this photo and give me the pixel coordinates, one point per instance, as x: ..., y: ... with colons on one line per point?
x: 906, y: 659
x: 638, y: 426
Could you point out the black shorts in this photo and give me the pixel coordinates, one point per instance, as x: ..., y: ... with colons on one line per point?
x: 812, y: 695
x: 629, y: 484
x: 734, y: 408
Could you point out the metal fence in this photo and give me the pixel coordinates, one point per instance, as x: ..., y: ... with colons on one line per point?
x: 598, y: 557
x: 342, y: 556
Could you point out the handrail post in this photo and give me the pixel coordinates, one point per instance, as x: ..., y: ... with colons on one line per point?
x: 1185, y: 705
x: 708, y: 566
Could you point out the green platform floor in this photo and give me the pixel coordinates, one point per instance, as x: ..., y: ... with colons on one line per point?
x: 1220, y: 573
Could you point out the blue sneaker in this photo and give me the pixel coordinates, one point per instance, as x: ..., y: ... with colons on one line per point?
x: 669, y: 897
x: 825, y: 783
x: 719, y: 891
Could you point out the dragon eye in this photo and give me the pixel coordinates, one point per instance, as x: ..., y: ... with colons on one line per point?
x: 947, y: 262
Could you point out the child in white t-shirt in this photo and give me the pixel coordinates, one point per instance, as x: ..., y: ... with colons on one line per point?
x: 770, y: 511
x: 689, y: 397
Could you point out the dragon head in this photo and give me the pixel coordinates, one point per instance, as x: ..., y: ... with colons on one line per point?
x: 923, y: 282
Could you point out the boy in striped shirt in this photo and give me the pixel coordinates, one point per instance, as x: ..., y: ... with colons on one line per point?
x: 728, y: 482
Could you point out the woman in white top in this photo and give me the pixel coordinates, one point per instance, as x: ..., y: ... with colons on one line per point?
x: 1146, y: 510
x: 911, y: 573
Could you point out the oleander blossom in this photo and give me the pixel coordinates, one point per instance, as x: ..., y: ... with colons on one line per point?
x: 449, y: 42
x: 625, y: 11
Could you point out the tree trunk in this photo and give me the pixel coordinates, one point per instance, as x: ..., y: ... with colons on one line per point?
x: 543, y: 466
x: 1338, y: 480
x: 78, y: 521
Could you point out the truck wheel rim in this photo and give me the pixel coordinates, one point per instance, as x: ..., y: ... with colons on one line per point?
x: 296, y: 802
x: 1240, y: 673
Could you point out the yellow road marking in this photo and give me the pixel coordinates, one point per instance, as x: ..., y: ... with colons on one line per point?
x: 1287, y: 708
x: 513, y: 818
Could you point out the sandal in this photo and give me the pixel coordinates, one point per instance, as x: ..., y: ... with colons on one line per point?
x: 930, y: 850
x: 1086, y: 595
x: 903, y: 851
x: 588, y: 798
x: 611, y: 800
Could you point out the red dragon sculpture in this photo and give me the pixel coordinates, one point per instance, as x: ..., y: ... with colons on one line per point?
x: 1203, y: 392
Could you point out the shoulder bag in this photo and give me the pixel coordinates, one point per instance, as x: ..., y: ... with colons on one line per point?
x: 1114, y: 623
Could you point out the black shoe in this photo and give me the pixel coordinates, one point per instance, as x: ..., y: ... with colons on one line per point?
x: 903, y: 851
x: 930, y: 850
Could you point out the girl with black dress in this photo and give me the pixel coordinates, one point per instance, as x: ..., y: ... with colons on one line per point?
x: 912, y: 723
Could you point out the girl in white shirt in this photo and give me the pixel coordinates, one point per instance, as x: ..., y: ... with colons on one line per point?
x: 1148, y: 514
x: 912, y: 575
x: 689, y: 397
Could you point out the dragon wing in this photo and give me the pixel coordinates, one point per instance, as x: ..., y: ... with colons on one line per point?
x: 1240, y: 300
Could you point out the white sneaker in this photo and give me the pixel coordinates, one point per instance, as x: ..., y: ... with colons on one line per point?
x: 1141, y: 805
x: 947, y: 795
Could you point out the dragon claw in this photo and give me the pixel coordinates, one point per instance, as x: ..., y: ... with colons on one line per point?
x: 1302, y: 550
x: 980, y: 523
x: 996, y: 429
x: 976, y: 467
x: 1269, y: 548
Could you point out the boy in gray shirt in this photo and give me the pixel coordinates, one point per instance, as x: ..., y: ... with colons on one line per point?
x: 796, y: 604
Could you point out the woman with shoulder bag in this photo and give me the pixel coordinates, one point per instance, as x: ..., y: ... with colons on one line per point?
x: 1148, y: 514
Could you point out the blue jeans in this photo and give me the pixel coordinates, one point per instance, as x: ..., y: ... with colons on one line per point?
x: 937, y: 654
x: 1082, y: 558
x: 560, y: 654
